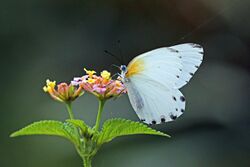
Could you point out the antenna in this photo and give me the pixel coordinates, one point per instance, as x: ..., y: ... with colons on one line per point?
x: 114, y: 65
x: 120, y: 50
x: 112, y: 55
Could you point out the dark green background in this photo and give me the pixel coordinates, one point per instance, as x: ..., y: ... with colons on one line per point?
x: 55, y: 39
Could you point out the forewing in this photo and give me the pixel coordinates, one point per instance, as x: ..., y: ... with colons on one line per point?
x: 161, y: 65
x: 153, y: 102
x: 172, y: 66
x: 191, y: 58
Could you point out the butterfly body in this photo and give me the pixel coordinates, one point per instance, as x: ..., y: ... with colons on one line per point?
x: 153, y: 80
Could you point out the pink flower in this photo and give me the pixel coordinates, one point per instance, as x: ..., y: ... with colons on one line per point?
x: 101, y: 86
x: 62, y: 92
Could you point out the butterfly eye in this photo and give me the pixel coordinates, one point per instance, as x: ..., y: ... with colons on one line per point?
x: 123, y: 68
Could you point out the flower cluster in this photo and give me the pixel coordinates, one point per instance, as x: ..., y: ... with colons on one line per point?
x: 104, y: 87
x: 62, y: 92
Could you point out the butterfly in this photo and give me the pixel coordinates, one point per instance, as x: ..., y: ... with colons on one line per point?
x: 153, y: 80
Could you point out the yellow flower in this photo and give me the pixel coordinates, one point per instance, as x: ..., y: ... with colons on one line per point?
x: 49, y: 86
x: 91, y: 81
x: 105, y: 74
x: 90, y: 72
x: 118, y: 83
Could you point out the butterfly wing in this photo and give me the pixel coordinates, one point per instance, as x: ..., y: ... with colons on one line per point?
x: 171, y: 66
x: 161, y: 65
x: 153, y: 80
x: 154, y: 103
x: 191, y: 57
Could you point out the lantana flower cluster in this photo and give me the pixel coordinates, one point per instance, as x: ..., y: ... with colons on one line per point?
x: 103, y: 87
x: 62, y: 92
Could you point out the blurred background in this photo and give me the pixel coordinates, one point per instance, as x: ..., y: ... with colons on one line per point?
x: 55, y: 39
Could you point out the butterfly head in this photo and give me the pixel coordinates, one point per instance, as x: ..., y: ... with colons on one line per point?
x: 123, y: 69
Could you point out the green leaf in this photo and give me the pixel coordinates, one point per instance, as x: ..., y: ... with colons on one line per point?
x: 49, y: 127
x: 86, y: 131
x: 79, y: 123
x: 120, y: 127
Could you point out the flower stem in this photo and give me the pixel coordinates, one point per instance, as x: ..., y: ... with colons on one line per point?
x: 69, y: 108
x: 86, y: 161
x: 98, y: 118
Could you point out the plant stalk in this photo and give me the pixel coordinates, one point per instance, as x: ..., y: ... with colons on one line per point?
x: 87, y: 161
x: 69, y: 109
x: 98, y: 118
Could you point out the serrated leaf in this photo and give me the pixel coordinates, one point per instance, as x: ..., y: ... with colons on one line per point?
x: 120, y: 127
x: 49, y: 127
x: 86, y: 131
x: 79, y: 123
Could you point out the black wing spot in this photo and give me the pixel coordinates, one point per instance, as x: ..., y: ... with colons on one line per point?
x: 180, y: 69
x: 176, y: 109
x: 177, y: 76
x: 143, y: 120
x: 182, y: 110
x: 163, y: 120
x: 196, y: 66
x: 182, y: 98
x: 191, y: 74
x: 153, y: 122
x: 173, y: 117
x: 174, y: 98
x: 172, y: 50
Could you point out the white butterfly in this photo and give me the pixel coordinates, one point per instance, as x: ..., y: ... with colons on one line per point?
x: 153, y: 80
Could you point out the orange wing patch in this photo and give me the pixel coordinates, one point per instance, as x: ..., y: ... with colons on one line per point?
x: 134, y: 67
